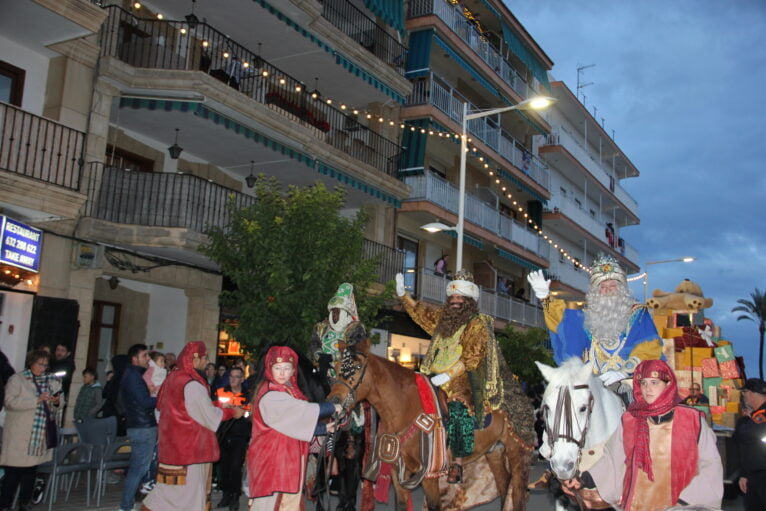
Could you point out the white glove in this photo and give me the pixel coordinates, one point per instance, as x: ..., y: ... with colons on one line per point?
x: 540, y: 285
x: 400, y: 285
x: 440, y: 379
x: 611, y: 377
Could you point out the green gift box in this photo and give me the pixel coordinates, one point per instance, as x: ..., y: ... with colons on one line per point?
x: 724, y: 353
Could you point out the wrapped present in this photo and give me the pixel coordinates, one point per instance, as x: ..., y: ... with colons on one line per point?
x: 724, y: 353
x: 710, y: 368
x: 683, y: 378
x: 669, y: 352
x: 690, y: 337
x: 710, y: 382
x: 734, y: 396
x: 717, y: 410
x: 729, y: 369
x: 673, y: 332
x: 722, y: 342
x: 732, y: 406
x: 697, y: 375
x: 712, y: 395
x: 728, y: 419
x: 692, y: 356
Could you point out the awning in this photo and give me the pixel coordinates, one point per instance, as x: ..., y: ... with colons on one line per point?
x: 470, y: 240
x: 521, y: 51
x: 516, y: 259
x: 468, y: 67
x: 414, y: 148
x: 419, y: 55
x: 390, y: 11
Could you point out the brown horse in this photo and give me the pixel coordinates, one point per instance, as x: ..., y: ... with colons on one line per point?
x: 392, y: 391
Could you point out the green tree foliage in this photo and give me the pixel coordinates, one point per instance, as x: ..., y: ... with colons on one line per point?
x: 522, y: 348
x: 755, y: 310
x: 286, y: 255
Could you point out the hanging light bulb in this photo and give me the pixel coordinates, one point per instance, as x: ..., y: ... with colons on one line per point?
x: 175, y: 149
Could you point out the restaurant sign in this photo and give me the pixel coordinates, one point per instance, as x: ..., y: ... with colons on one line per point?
x: 20, y: 245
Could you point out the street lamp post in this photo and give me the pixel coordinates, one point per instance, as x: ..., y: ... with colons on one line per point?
x: 646, y: 271
x: 536, y: 103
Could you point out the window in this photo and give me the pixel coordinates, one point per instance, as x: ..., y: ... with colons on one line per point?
x: 410, y: 269
x: 11, y: 83
x: 121, y: 159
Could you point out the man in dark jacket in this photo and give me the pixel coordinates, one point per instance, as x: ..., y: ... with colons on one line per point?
x: 62, y: 362
x: 6, y: 371
x: 750, y: 436
x: 233, y: 439
x: 138, y: 406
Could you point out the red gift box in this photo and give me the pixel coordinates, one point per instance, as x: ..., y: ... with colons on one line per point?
x: 710, y: 368
x: 729, y: 369
x: 691, y: 337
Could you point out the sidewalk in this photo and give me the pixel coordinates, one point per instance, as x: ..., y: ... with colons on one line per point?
x: 538, y: 500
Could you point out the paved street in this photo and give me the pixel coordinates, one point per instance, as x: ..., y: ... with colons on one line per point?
x: 539, y: 500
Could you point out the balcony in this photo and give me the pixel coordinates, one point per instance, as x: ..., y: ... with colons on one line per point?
x: 433, y: 288
x: 561, y: 137
x: 442, y: 193
x: 389, y: 261
x: 577, y: 213
x: 365, y: 31
x: 453, y: 17
x: 172, y: 45
x: 159, y: 199
x: 566, y: 273
x: 431, y: 91
x: 40, y: 149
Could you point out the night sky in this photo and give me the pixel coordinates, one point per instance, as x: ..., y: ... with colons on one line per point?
x: 682, y: 84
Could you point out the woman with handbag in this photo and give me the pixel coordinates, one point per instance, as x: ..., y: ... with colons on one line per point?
x: 31, y: 403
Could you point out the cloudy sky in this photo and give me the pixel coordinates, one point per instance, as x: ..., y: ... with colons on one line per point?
x: 679, y: 83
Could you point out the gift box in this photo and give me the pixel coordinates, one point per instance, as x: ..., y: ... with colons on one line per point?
x: 729, y: 369
x: 724, y: 353
x: 669, y: 352
x: 734, y: 396
x: 728, y: 419
x: 673, y: 332
x: 712, y: 395
x: 710, y: 368
x: 710, y: 382
x: 690, y: 337
x: 717, y: 410
x: 723, y: 342
x: 692, y: 356
x: 683, y: 378
x: 733, y: 407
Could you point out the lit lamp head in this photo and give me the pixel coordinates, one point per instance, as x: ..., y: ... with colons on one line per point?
x: 437, y: 227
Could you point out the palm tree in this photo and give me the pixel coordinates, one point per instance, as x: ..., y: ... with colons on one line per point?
x: 755, y: 310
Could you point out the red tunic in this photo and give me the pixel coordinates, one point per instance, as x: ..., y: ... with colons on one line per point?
x: 283, y: 476
x: 182, y: 440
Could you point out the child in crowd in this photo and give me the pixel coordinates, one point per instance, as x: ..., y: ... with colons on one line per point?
x: 90, y: 399
x: 156, y: 373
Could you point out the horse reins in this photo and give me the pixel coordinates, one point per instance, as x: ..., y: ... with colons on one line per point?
x: 564, y: 402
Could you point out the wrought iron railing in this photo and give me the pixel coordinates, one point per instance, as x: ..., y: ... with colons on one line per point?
x: 364, y: 30
x: 38, y: 148
x: 390, y: 260
x: 167, y: 44
x: 159, y: 199
x: 434, y: 91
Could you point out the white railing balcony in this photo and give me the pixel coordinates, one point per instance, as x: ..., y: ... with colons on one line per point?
x: 566, y: 272
x: 452, y: 16
x: 579, y: 215
x: 442, y: 193
x: 485, y: 129
x: 629, y: 251
x: 433, y: 288
x: 561, y: 136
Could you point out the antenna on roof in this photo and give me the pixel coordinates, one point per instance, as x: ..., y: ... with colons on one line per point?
x: 580, y: 85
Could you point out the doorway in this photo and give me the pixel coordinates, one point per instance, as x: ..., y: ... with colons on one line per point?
x: 104, y: 334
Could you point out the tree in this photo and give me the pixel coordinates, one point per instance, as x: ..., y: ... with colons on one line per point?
x: 286, y: 255
x: 755, y: 310
x: 522, y: 348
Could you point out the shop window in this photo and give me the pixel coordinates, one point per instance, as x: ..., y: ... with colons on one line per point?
x: 11, y: 83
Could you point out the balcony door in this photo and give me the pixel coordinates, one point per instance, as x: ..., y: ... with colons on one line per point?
x: 104, y: 333
x: 410, y: 267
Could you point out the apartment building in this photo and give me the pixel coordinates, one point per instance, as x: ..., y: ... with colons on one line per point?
x: 128, y: 126
x: 588, y: 208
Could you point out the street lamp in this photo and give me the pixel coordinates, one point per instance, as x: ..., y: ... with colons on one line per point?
x: 535, y: 103
x: 645, y: 275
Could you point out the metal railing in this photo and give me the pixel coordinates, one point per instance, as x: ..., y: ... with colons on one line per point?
x: 561, y: 136
x: 430, y: 92
x: 390, y: 260
x: 41, y: 149
x: 167, y: 44
x: 442, y: 193
x: 434, y: 288
x: 578, y: 213
x: 452, y: 16
x: 159, y: 199
x: 567, y: 273
x: 364, y: 30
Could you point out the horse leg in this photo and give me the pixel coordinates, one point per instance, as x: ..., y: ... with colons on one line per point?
x: 496, y: 462
x: 519, y: 460
x: 402, y: 495
x: 432, y: 493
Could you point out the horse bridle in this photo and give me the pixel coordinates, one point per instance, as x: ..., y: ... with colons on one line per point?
x: 564, y: 410
x: 349, y: 369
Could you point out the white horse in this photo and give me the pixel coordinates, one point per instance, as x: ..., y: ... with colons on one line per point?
x: 580, y: 415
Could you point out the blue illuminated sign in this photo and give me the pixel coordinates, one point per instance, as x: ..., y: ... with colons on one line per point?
x: 20, y: 245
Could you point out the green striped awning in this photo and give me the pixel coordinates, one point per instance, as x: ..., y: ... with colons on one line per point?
x: 419, y: 56
x: 524, y: 55
x: 516, y: 259
x: 470, y: 240
x: 390, y: 11
x: 346, y: 179
x: 413, y: 148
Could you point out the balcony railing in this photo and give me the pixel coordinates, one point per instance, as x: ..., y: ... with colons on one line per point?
x: 365, y: 31
x: 41, y: 149
x: 431, y: 91
x: 452, y: 16
x: 561, y: 136
x: 578, y: 213
x: 433, y: 288
x: 164, y: 44
x: 390, y: 260
x: 442, y: 193
x: 569, y: 275
x: 159, y: 199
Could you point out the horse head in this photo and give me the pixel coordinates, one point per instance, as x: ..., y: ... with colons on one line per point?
x: 350, y: 386
x: 578, y: 412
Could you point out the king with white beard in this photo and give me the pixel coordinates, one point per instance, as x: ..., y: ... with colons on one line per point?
x: 613, y: 331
